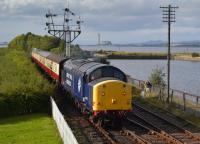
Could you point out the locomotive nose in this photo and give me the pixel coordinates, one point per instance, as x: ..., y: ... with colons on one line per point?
x: 112, y: 95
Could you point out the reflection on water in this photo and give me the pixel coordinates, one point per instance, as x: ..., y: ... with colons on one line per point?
x: 185, y: 75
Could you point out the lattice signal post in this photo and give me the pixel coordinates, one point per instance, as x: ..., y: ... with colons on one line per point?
x: 66, y: 31
x: 169, y: 17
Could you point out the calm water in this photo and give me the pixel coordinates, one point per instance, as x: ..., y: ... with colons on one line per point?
x: 185, y: 75
x: 142, y: 49
x: 3, y: 46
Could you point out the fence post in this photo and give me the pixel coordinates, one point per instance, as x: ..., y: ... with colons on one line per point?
x: 184, y: 104
x: 197, y: 101
x: 172, y: 94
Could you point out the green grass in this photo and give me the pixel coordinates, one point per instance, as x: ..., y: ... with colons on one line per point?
x: 29, y: 129
x: 23, y: 89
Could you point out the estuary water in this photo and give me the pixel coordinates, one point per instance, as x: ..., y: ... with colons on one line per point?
x: 185, y: 75
x: 142, y: 49
x: 3, y: 46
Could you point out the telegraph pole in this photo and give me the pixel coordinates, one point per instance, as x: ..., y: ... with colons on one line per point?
x: 169, y: 17
x: 65, y: 31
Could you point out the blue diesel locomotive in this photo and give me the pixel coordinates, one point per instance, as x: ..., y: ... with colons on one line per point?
x: 99, y: 90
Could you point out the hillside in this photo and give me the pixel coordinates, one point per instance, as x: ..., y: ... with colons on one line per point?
x: 28, y: 41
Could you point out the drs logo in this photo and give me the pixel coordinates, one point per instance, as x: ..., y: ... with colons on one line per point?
x: 79, y: 85
x: 69, y: 79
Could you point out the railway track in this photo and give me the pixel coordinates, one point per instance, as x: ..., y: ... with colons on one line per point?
x: 161, y: 125
x: 122, y: 136
x: 141, y: 127
x: 126, y: 137
x: 87, y: 132
x: 147, y: 134
x: 84, y: 132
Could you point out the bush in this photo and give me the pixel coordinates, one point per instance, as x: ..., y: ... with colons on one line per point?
x: 76, y: 51
x: 157, y: 77
x: 22, y: 88
x: 28, y: 41
x: 195, y: 54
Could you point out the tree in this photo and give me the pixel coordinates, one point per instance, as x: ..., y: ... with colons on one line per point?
x: 29, y: 41
x: 194, y: 54
x: 157, y: 78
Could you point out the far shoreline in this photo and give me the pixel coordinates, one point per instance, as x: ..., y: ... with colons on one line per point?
x: 145, y: 56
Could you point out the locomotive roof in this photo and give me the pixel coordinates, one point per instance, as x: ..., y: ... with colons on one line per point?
x: 83, y: 65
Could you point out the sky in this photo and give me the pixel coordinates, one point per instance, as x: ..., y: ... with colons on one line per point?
x: 119, y: 21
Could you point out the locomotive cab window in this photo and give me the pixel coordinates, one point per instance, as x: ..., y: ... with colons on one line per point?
x: 107, y: 72
x: 119, y: 75
x: 95, y: 75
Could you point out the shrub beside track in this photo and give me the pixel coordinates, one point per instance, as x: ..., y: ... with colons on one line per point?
x: 22, y: 88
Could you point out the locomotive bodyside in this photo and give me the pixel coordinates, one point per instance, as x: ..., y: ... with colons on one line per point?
x: 73, y: 80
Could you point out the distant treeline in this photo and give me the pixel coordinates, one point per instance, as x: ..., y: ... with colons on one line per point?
x: 130, y: 55
x: 28, y: 41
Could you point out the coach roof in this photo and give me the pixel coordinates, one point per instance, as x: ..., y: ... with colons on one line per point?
x: 56, y: 58
x: 49, y: 55
x: 43, y: 53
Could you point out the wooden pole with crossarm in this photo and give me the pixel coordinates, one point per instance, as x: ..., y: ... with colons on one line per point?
x: 169, y: 17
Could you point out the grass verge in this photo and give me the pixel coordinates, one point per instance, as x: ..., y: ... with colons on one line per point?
x: 22, y: 87
x: 29, y: 129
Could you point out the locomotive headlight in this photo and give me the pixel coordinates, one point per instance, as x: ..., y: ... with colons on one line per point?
x: 114, y: 101
x: 124, y: 93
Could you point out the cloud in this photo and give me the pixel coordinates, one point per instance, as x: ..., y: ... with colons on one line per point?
x: 142, y: 18
x: 26, y: 7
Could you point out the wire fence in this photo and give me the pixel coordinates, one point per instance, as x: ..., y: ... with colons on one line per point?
x: 183, y: 100
x: 63, y: 128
